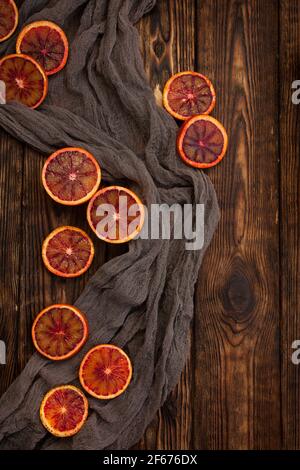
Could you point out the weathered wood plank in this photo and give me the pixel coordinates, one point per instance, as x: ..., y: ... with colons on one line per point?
x: 11, y: 164
x: 290, y: 210
x: 236, y: 399
x: 237, y: 403
x: 167, y: 44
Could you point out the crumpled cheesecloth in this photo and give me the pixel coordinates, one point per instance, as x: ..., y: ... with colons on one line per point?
x: 142, y: 300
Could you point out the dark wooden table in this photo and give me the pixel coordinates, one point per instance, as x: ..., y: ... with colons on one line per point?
x: 239, y: 389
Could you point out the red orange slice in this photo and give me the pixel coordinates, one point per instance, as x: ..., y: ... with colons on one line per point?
x: 105, y: 371
x: 46, y: 43
x: 115, y: 214
x: 187, y: 94
x: 68, y: 251
x: 64, y: 410
x: 9, y: 17
x: 71, y: 176
x: 25, y: 80
x: 59, y: 331
x: 202, y: 142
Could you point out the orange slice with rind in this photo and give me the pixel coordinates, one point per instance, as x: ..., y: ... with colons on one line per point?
x: 105, y: 371
x: 45, y: 42
x: 68, y: 252
x: 71, y: 176
x: 9, y: 18
x: 64, y: 411
x: 59, y: 331
x: 187, y: 94
x: 202, y: 142
x: 116, y: 214
x: 25, y: 80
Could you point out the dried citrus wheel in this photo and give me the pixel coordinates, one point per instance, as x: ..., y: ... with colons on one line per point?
x: 116, y: 214
x: 105, y: 371
x: 46, y: 43
x: 64, y: 410
x: 59, y: 331
x: 25, y: 80
x: 71, y: 176
x: 202, y: 142
x: 68, y: 251
x: 9, y: 17
x: 187, y: 94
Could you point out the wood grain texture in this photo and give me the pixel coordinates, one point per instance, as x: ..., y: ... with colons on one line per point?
x: 290, y: 219
x: 237, y: 352
x: 239, y: 389
x: 167, y: 45
x: 11, y: 165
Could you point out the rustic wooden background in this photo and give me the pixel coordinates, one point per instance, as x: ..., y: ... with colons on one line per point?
x: 239, y: 389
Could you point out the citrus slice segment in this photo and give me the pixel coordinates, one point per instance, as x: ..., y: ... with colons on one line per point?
x: 202, y: 142
x: 71, y: 176
x: 25, y: 80
x: 59, y: 331
x: 9, y: 17
x: 64, y: 410
x: 116, y: 214
x: 105, y: 371
x: 46, y: 43
x: 68, y: 251
x: 187, y: 94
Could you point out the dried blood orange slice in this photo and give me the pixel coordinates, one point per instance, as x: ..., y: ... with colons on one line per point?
x: 187, y: 94
x: 202, y: 142
x: 25, y: 80
x: 105, y: 371
x: 116, y: 214
x: 46, y: 43
x: 68, y: 251
x: 59, y: 331
x: 71, y: 176
x: 9, y: 17
x: 64, y: 410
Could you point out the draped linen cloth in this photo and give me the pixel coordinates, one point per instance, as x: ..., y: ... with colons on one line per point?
x: 142, y: 300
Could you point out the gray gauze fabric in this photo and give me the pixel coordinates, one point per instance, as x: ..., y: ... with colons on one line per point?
x: 142, y: 300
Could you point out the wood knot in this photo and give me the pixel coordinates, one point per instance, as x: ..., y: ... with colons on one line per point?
x: 238, y: 296
x: 158, y: 48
